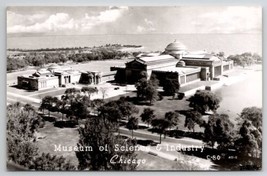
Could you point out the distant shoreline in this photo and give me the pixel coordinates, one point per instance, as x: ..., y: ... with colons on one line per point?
x: 240, y: 43
x: 118, y: 47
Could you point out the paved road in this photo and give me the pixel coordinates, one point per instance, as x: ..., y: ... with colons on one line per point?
x: 12, y: 98
x: 142, y: 134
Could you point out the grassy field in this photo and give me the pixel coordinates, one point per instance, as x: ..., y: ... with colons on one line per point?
x: 58, y: 136
x: 103, y: 66
x: 52, y: 136
x: 161, y: 107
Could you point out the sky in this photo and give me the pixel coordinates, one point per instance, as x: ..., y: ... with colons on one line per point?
x: 133, y: 20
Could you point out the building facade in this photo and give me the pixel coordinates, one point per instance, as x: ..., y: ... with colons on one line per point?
x: 55, y: 76
x: 174, y: 63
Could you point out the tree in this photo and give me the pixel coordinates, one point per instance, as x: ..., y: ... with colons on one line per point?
x: 245, y: 59
x: 61, y: 108
x: 252, y: 114
x: 48, y: 162
x: 154, y: 81
x: 38, y: 60
x: 204, y: 100
x: 22, y: 121
x: 237, y: 59
x: 147, y: 90
x: 72, y: 91
x: 63, y: 57
x: 54, y: 107
x: 29, y: 108
x: 96, y: 134
x: 172, y: 118
x: 96, y: 103
x: 161, y: 125
x: 219, y: 129
x: 89, y: 91
x: 171, y: 86
x: 104, y: 91
x: 250, y: 141
x: 79, y: 109
x: 192, y: 118
x: 47, y: 103
x: 141, y: 86
x: 147, y: 116
x: 110, y: 113
x: 127, y: 108
x: 143, y: 74
x: 256, y: 57
x: 221, y: 54
x: 151, y: 92
x: 22, y: 124
x: 132, y: 124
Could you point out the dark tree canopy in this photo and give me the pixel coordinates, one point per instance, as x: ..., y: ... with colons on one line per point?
x: 132, y: 124
x: 89, y: 91
x: 245, y: 59
x: 39, y: 57
x: 151, y: 92
x: 204, y: 100
x: 147, y: 90
x: 126, y: 108
x: 171, y: 86
x: 161, y: 125
x: 249, y: 142
x: 192, y: 118
x: 47, y: 103
x: 148, y: 115
x: 141, y: 85
x: 72, y: 91
x: 22, y: 124
x: 219, y: 129
x: 110, y: 113
x: 143, y: 74
x: 172, y: 118
x: 96, y: 133
x: 154, y: 81
x: 252, y: 114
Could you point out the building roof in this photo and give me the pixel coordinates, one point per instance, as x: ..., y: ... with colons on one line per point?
x: 42, y: 71
x: 156, y: 60
x: 176, y: 46
x: 203, y: 56
x: 42, y: 77
x: 180, y: 70
x: 53, y: 66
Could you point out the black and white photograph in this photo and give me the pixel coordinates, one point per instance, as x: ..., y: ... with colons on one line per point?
x: 134, y: 88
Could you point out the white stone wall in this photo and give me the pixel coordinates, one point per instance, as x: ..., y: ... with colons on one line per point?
x: 52, y: 82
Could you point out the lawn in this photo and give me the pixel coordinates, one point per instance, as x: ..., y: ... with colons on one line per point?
x: 52, y: 136
x: 161, y: 107
x: 58, y: 136
x: 103, y: 66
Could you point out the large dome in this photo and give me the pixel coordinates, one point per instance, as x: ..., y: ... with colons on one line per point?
x: 175, y: 46
x: 53, y: 66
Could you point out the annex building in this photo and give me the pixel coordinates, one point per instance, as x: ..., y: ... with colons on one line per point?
x: 174, y: 63
x: 56, y: 76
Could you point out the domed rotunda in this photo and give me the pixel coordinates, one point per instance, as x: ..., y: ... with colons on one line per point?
x: 176, y: 49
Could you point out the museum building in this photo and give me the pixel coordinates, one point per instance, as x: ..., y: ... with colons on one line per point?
x: 56, y: 76
x: 174, y: 63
